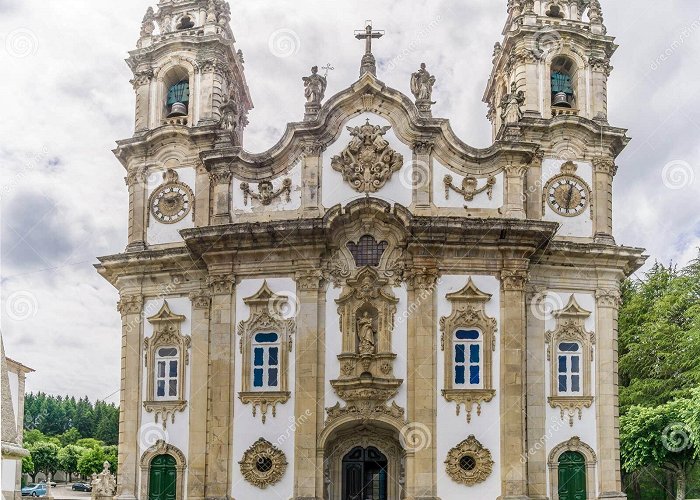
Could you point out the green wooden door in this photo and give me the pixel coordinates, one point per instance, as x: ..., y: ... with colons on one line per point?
x: 163, y: 478
x: 572, y: 476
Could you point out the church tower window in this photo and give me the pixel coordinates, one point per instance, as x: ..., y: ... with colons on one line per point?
x: 563, y: 73
x: 367, y: 252
x: 178, y: 99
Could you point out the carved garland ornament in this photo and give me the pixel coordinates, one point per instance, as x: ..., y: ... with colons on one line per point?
x: 263, y: 464
x: 469, y: 462
x: 266, y: 192
x: 368, y: 162
x: 469, y: 189
x: 172, y: 200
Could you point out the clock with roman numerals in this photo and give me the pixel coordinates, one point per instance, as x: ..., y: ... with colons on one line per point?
x: 566, y: 193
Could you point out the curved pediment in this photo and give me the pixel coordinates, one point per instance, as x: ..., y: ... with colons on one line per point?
x: 369, y: 95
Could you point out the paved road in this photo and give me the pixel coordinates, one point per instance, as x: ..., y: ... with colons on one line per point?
x: 62, y: 492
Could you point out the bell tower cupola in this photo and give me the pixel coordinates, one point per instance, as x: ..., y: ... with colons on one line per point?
x: 554, y: 60
x: 187, y: 71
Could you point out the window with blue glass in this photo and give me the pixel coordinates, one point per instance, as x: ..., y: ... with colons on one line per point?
x: 468, y: 345
x: 266, y: 361
x: 166, y: 376
x: 569, y: 369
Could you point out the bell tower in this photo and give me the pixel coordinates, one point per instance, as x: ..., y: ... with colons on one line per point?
x: 187, y: 71
x: 556, y: 56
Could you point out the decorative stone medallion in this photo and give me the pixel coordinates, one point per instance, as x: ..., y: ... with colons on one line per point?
x: 263, y: 464
x: 368, y: 162
x: 567, y: 193
x: 172, y: 200
x: 469, y: 462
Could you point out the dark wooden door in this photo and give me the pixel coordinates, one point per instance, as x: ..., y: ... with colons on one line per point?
x: 365, y: 475
x: 163, y: 478
x: 572, y: 476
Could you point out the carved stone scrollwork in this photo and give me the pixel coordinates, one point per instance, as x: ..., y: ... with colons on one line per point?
x: 608, y: 298
x: 337, y: 269
x: 514, y: 280
x: 605, y: 165
x: 368, y: 162
x: 570, y: 406
x: 365, y: 410
x: 309, y: 280
x: 142, y: 78
x: 135, y: 176
x: 221, y: 284
x: 130, y: 304
x: 469, y: 188
x: 266, y: 192
x: 423, y: 147
x: 263, y: 464
x: 423, y: 278
x: 469, y: 462
x: 220, y: 176
x: 200, y: 299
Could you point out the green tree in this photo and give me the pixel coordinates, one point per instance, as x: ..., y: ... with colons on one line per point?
x: 28, y: 466
x: 91, y: 461
x: 91, y: 443
x: 32, y: 437
x: 68, y: 459
x: 660, y: 437
x: 45, y: 457
x: 71, y: 436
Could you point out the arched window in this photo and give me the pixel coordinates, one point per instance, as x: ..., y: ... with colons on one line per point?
x: 178, y: 99
x: 266, y: 361
x: 167, y: 373
x: 569, y: 369
x: 468, y: 346
x: 367, y: 251
x: 563, y: 76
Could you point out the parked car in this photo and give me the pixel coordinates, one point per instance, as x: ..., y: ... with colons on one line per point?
x: 38, y: 490
x: 81, y: 487
x: 53, y: 483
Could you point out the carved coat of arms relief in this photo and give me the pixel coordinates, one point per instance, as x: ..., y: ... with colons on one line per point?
x: 368, y: 162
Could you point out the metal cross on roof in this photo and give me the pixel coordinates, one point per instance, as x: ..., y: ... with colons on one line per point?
x: 328, y: 68
x: 369, y: 64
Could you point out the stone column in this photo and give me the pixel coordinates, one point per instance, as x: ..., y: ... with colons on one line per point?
x: 421, y: 463
x: 142, y: 87
x: 199, y: 395
x: 131, y: 308
x: 202, y: 197
x: 309, y: 402
x: 603, y: 172
x: 536, y: 457
x: 607, y: 404
x: 311, y: 180
x: 221, y: 365
x: 221, y: 195
x: 533, y: 189
x: 421, y: 177
x: 515, y: 191
x: 600, y: 71
x: 138, y: 211
x: 210, y: 91
x: 513, y: 387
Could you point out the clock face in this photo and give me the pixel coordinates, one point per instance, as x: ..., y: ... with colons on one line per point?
x: 568, y: 195
x: 171, y: 203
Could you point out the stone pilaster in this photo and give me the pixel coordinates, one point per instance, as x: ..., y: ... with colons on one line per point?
x: 536, y: 397
x: 309, y: 399
x: 311, y: 179
x: 221, y: 195
x: 421, y: 464
x: 513, y: 387
x: 202, y: 198
x: 606, y: 397
x: 199, y: 395
x: 138, y: 211
x: 600, y: 71
x: 533, y: 189
x: 515, y: 191
x: 142, y: 87
x: 221, y: 366
x: 211, y: 91
x: 421, y: 180
x: 603, y: 172
x: 131, y: 309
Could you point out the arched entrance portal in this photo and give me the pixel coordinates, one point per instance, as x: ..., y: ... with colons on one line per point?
x: 162, y: 484
x: 365, y: 474
x: 363, y: 462
x: 572, y: 476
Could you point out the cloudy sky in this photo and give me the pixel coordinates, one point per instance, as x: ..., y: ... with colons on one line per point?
x: 67, y: 98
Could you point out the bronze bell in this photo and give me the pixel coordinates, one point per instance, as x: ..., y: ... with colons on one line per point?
x: 178, y: 109
x: 561, y: 100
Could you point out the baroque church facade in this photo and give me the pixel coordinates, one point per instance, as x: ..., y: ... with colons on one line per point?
x: 371, y: 309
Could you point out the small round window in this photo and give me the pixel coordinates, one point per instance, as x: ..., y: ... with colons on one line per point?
x: 263, y: 464
x: 467, y: 463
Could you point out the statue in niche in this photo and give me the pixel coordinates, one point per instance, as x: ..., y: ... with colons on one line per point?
x: 511, y: 104
x: 366, y: 334
x: 422, y: 85
x: 314, y: 87
x: 229, y: 115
